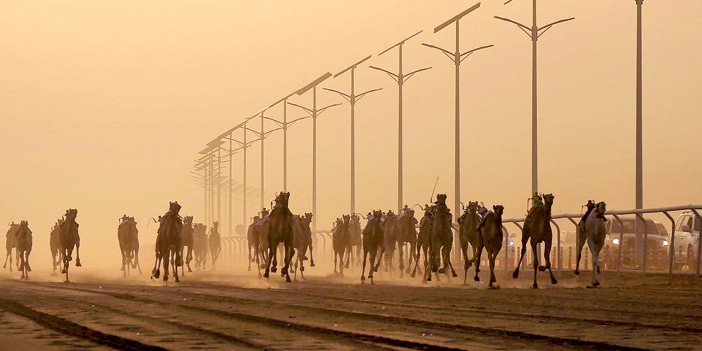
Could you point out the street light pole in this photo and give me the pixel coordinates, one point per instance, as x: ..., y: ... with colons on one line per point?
x: 314, y: 113
x: 400, y: 78
x: 457, y: 57
x: 352, y: 98
x: 284, y: 126
x: 534, y: 33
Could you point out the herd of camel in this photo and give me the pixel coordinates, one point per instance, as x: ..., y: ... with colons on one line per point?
x: 384, y: 234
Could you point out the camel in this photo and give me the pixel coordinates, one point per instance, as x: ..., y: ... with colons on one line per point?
x: 537, y: 228
x: 252, y: 240
x: 468, y: 234
x: 372, y: 241
x: 441, y: 240
x: 280, y: 231
x: 24, y: 248
x: 200, y: 245
x: 593, y: 230
x: 581, y: 236
x: 341, y: 242
x: 55, y: 245
x: 406, y: 234
x: 356, y: 241
x: 69, y: 239
x: 11, y: 243
x: 423, y: 239
x: 390, y: 239
x: 187, y: 240
x: 168, y: 243
x: 215, y: 242
x: 307, y: 234
x: 128, y: 237
x: 490, y: 237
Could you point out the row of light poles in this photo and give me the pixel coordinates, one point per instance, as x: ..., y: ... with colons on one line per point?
x: 207, y: 162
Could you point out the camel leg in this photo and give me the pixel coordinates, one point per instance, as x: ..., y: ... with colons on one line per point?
x: 271, y: 252
x: 476, y: 258
x: 336, y: 256
x: 348, y: 258
x: 402, y: 264
x: 447, y: 259
x: 376, y: 266
x: 547, y: 259
x: 289, y: 253
x: 8, y: 255
x: 416, y: 261
x: 311, y: 257
x: 515, y: 274
x: 249, y: 269
x: 178, y: 258
x: 363, y: 269
x: 124, y: 259
x: 595, y: 263
x: 536, y: 263
x: 491, y: 258
x: 373, y: 253
x: 578, y: 251
x: 466, y: 262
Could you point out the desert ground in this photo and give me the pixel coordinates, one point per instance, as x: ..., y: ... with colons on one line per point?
x: 235, y: 310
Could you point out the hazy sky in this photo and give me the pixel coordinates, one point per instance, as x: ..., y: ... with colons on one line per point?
x: 105, y: 104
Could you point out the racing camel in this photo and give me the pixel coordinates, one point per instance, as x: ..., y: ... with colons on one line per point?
x: 372, y: 241
x: 55, y: 245
x: 423, y: 239
x: 390, y: 239
x: 537, y: 227
x: 593, y: 230
x: 406, y: 234
x: 200, y: 245
x: 128, y: 238
x: 307, y: 234
x: 490, y: 237
x: 468, y: 234
x: 302, y: 240
x: 187, y: 240
x: 168, y: 243
x: 341, y: 240
x: 215, y: 243
x: 356, y: 241
x: 11, y: 243
x: 24, y: 248
x: 441, y: 240
x: 280, y: 231
x: 69, y: 239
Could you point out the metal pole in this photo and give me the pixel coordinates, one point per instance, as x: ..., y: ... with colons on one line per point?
x: 353, y: 145
x: 262, y: 165
x: 534, y: 119
x: 229, y: 218
x: 400, y: 82
x: 219, y: 184
x: 204, y: 188
x: 639, y: 112
x: 314, y: 158
x: 285, y: 145
x: 243, y: 211
x: 457, y: 131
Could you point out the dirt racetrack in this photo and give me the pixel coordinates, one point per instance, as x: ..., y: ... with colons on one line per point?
x: 237, y: 311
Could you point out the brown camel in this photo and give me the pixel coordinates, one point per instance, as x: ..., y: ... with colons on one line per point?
x: 215, y: 241
x: 372, y: 241
x: 341, y: 242
x: 168, y: 243
x: 423, y: 239
x: 468, y: 234
x: 187, y: 240
x: 69, y: 238
x: 390, y: 238
x: 301, y: 243
x: 406, y: 234
x: 128, y: 237
x: 280, y: 231
x: 356, y: 241
x: 490, y: 237
x: 307, y: 233
x: 537, y: 227
x: 11, y: 243
x: 24, y: 248
x: 441, y: 239
x: 200, y: 246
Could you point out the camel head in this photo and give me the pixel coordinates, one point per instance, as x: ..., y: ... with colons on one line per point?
x: 174, y: 207
x: 347, y: 220
x: 498, y: 209
x: 71, y: 214
x: 215, y: 225
x: 441, y: 199
x: 410, y: 212
x: 601, y: 208
x: 188, y: 220
x: 473, y: 207
x: 548, y: 199
x: 377, y: 214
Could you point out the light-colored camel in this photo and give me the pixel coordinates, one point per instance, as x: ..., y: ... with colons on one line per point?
x: 595, y: 235
x: 11, y: 243
x: 406, y: 234
x: 128, y: 238
x: 490, y: 237
x: 24, y: 248
x: 468, y: 234
x: 55, y: 246
x: 215, y: 243
x: 537, y: 229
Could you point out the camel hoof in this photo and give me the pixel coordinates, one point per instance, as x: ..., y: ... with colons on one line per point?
x: 535, y: 286
x: 515, y: 275
x: 287, y: 279
x: 78, y: 263
x: 265, y: 275
x: 577, y: 272
x: 122, y: 269
x: 165, y: 278
x: 453, y: 274
x: 312, y: 264
x: 476, y: 278
x: 595, y: 284
x: 554, y: 281
x: 442, y: 270
x: 493, y: 287
x: 63, y: 271
x: 248, y: 269
x: 302, y: 269
x: 274, y: 269
x: 542, y: 268
x: 412, y: 275
x: 429, y: 279
x: 177, y: 280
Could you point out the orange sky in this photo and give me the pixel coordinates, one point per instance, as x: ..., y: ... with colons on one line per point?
x: 104, y: 105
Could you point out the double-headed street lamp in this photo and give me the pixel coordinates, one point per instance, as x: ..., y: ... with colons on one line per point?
x: 457, y: 57
x: 400, y: 78
x: 534, y: 33
x: 313, y: 113
x: 352, y: 98
x: 284, y: 126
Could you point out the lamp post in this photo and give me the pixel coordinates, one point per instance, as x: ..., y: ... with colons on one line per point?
x: 457, y: 57
x: 352, y: 98
x: 400, y: 78
x: 534, y: 34
x: 284, y: 126
x: 314, y: 113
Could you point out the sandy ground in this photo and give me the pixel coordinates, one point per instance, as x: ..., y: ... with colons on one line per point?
x: 232, y: 310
